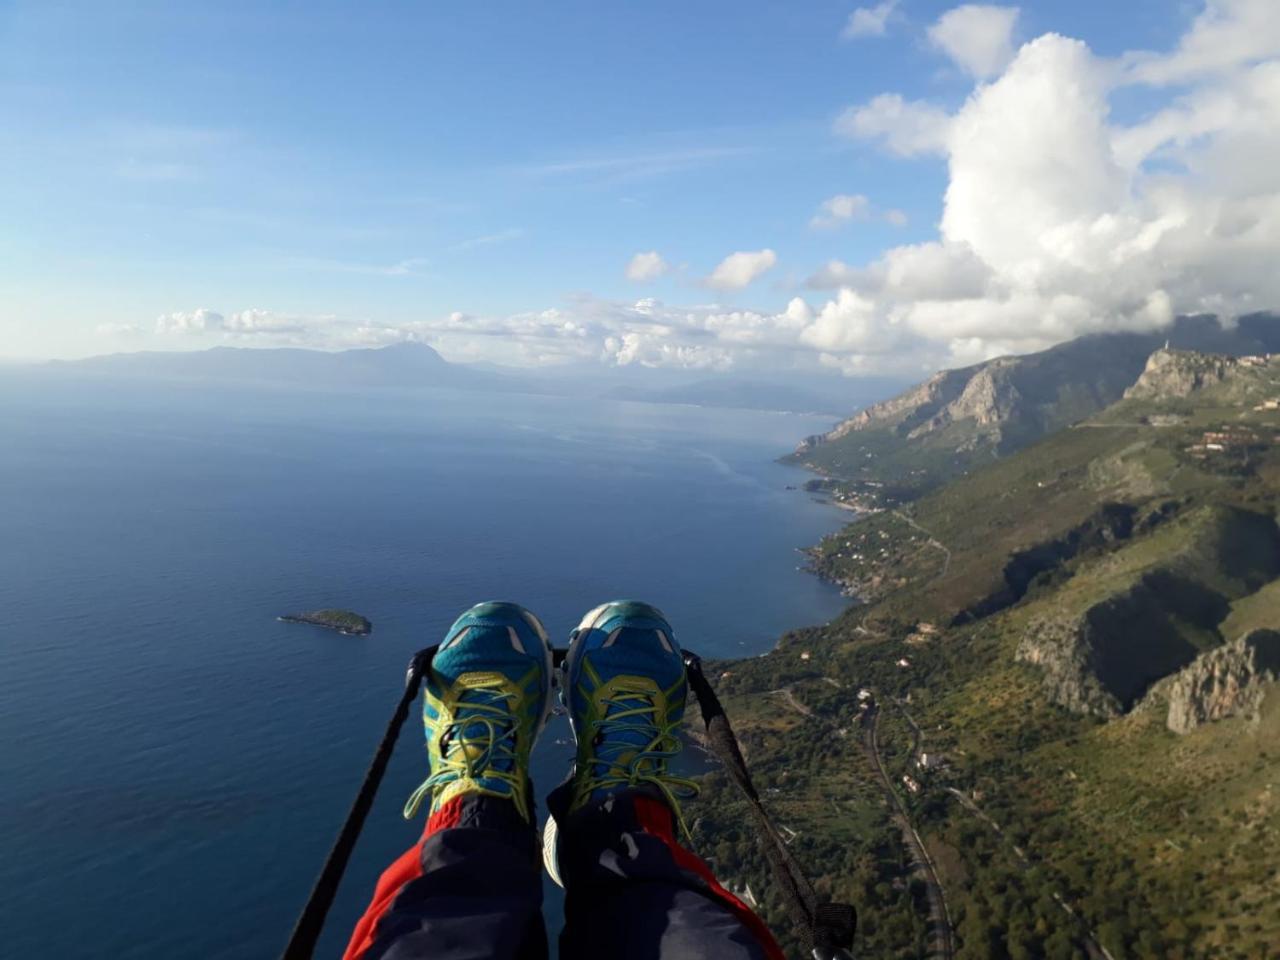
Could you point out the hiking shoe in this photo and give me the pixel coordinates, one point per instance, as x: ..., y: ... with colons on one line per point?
x: 486, y: 698
x: 625, y: 690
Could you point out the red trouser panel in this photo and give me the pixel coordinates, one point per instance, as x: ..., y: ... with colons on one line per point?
x: 655, y: 819
x: 405, y: 870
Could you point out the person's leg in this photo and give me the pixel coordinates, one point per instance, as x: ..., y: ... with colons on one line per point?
x: 631, y: 890
x: 471, y: 887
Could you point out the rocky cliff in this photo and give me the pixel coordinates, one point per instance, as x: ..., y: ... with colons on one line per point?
x: 1230, y: 681
x: 1179, y: 373
x: 1126, y: 624
x: 908, y: 411
x: 1102, y: 661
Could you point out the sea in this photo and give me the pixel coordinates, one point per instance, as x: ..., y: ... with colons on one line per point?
x: 175, y: 762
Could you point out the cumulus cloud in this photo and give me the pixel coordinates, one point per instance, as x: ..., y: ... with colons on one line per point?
x: 906, y: 127
x: 1059, y: 220
x: 200, y: 320
x: 739, y: 269
x: 253, y: 322
x: 1226, y: 35
x: 841, y: 209
x: 647, y: 266
x: 845, y: 208
x: 977, y: 38
x: 869, y: 21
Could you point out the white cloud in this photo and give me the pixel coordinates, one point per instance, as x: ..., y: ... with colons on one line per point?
x: 931, y: 271
x: 739, y: 269
x: 1226, y: 35
x: 869, y: 21
x: 258, y: 322
x: 834, y: 274
x: 977, y: 38
x: 200, y: 320
x: 841, y: 209
x: 253, y: 322
x: 1011, y: 195
x: 907, y: 127
x: 647, y: 266
x: 851, y: 323
x: 845, y: 208
x: 1060, y: 221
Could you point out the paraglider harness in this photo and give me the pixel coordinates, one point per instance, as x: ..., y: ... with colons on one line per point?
x: 826, y: 929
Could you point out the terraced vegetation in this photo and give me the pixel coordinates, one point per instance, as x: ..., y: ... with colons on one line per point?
x: 1033, y: 622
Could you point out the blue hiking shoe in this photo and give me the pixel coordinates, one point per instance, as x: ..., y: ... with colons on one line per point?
x: 625, y: 690
x: 486, y: 699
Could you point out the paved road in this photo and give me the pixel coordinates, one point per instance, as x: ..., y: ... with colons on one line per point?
x: 933, y: 541
x: 787, y: 694
x: 940, y: 933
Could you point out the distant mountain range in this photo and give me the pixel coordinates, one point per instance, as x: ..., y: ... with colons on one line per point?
x: 416, y: 365
x: 398, y: 365
x: 958, y: 420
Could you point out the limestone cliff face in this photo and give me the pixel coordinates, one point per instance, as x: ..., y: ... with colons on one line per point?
x: 1113, y: 636
x: 1179, y: 373
x: 1102, y: 660
x: 1230, y: 681
x: 909, y: 408
x: 984, y: 395
x: 1063, y: 650
x: 1009, y: 397
x: 988, y: 400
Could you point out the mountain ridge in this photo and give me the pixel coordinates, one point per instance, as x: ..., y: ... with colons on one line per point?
x: 411, y: 365
x: 958, y: 419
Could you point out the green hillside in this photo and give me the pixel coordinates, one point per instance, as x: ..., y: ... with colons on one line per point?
x: 1045, y: 623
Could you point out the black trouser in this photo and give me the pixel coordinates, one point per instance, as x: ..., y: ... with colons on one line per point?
x: 471, y: 889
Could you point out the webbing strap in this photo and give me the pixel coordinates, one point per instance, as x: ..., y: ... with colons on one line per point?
x: 828, y: 927
x: 302, y: 942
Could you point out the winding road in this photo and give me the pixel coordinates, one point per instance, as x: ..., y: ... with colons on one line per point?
x: 931, y: 539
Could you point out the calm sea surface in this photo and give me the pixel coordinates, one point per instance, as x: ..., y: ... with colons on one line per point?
x: 174, y: 762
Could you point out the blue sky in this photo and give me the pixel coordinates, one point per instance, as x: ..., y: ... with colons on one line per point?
x: 402, y: 170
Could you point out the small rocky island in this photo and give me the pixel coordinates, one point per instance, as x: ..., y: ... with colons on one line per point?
x: 344, y: 621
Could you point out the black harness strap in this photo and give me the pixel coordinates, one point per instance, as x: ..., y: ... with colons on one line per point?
x: 828, y: 927
x: 302, y: 942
